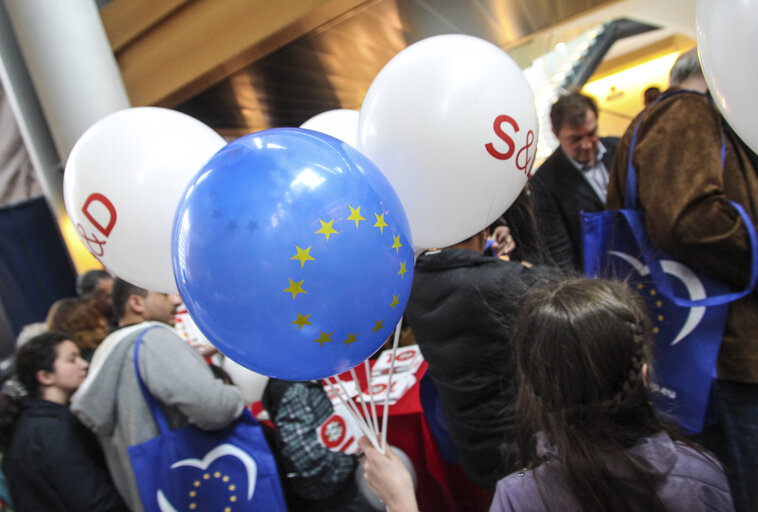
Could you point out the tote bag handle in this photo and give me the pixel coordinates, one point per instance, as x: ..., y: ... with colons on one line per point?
x: 152, y: 403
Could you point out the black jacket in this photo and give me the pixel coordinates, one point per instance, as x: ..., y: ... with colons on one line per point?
x: 461, y: 310
x: 559, y: 192
x: 54, y: 463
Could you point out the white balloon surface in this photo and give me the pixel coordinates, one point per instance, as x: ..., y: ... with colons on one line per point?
x: 727, y: 36
x: 451, y: 122
x: 122, y: 183
x: 341, y: 124
x: 250, y: 383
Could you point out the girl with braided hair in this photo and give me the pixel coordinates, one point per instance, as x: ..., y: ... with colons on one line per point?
x: 582, y: 350
x: 589, y: 438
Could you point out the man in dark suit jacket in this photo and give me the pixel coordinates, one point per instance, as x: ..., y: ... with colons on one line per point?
x: 572, y: 179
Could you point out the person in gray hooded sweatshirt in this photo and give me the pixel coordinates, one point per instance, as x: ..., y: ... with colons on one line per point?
x: 110, y: 402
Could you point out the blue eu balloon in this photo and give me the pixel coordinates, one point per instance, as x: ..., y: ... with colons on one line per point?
x: 293, y: 254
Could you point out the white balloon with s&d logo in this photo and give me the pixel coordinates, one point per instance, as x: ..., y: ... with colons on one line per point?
x: 451, y: 122
x: 122, y: 183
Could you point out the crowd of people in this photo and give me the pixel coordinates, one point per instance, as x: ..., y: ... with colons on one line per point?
x: 582, y: 433
x: 544, y: 377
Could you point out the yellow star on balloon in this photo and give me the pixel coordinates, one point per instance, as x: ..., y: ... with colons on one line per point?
x: 394, y: 302
x: 378, y: 326
x: 301, y: 320
x: 295, y: 287
x: 380, y: 222
x: 355, y: 214
x: 327, y: 229
x: 351, y: 338
x: 396, y: 245
x: 402, y: 270
x: 324, y: 338
x: 303, y: 255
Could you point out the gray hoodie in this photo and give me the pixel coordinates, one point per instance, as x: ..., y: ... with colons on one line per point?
x: 110, y: 402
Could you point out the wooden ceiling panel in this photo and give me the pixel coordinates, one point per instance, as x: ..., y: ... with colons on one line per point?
x: 245, y: 65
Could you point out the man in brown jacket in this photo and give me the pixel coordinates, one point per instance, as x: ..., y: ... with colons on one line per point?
x: 685, y: 193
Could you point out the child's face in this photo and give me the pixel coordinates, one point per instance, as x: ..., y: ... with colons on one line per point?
x: 69, y: 369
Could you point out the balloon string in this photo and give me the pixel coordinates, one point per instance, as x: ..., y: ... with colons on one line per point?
x: 389, y: 384
x: 361, y: 423
x: 374, y: 417
x: 350, y: 406
x: 361, y: 419
x: 362, y: 401
x: 349, y: 401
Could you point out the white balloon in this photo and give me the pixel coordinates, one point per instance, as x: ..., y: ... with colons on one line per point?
x: 341, y: 124
x: 451, y: 122
x: 251, y: 383
x: 123, y: 181
x: 727, y: 35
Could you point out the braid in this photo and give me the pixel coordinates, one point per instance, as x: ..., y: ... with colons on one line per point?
x: 582, y: 346
x: 634, y: 377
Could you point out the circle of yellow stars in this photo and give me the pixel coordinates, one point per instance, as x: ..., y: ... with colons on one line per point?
x: 193, y: 493
x: 658, y: 303
x: 303, y: 256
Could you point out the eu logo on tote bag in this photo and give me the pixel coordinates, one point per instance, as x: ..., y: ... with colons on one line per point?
x: 192, y: 469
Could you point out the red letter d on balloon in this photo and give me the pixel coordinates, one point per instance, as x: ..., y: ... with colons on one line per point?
x: 95, y: 199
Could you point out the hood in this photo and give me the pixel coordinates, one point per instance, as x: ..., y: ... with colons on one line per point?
x: 94, y: 403
x: 657, y: 454
x: 437, y: 259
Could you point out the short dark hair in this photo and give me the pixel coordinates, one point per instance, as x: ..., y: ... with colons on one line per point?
x: 571, y: 109
x: 686, y: 66
x: 120, y: 295
x: 86, y: 284
x: 651, y: 94
x: 39, y: 353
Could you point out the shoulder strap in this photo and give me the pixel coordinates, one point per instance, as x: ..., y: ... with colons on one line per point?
x: 651, y: 259
x: 152, y: 403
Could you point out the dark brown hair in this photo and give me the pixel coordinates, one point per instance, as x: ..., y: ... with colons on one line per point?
x: 122, y: 290
x: 39, y: 353
x: 571, y: 109
x: 86, y: 284
x: 521, y: 221
x: 581, y: 348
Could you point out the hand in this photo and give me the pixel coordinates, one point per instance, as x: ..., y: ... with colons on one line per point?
x: 388, y: 478
x: 502, y: 241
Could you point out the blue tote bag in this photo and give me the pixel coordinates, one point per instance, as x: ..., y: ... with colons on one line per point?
x: 192, y: 469
x: 688, y: 309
